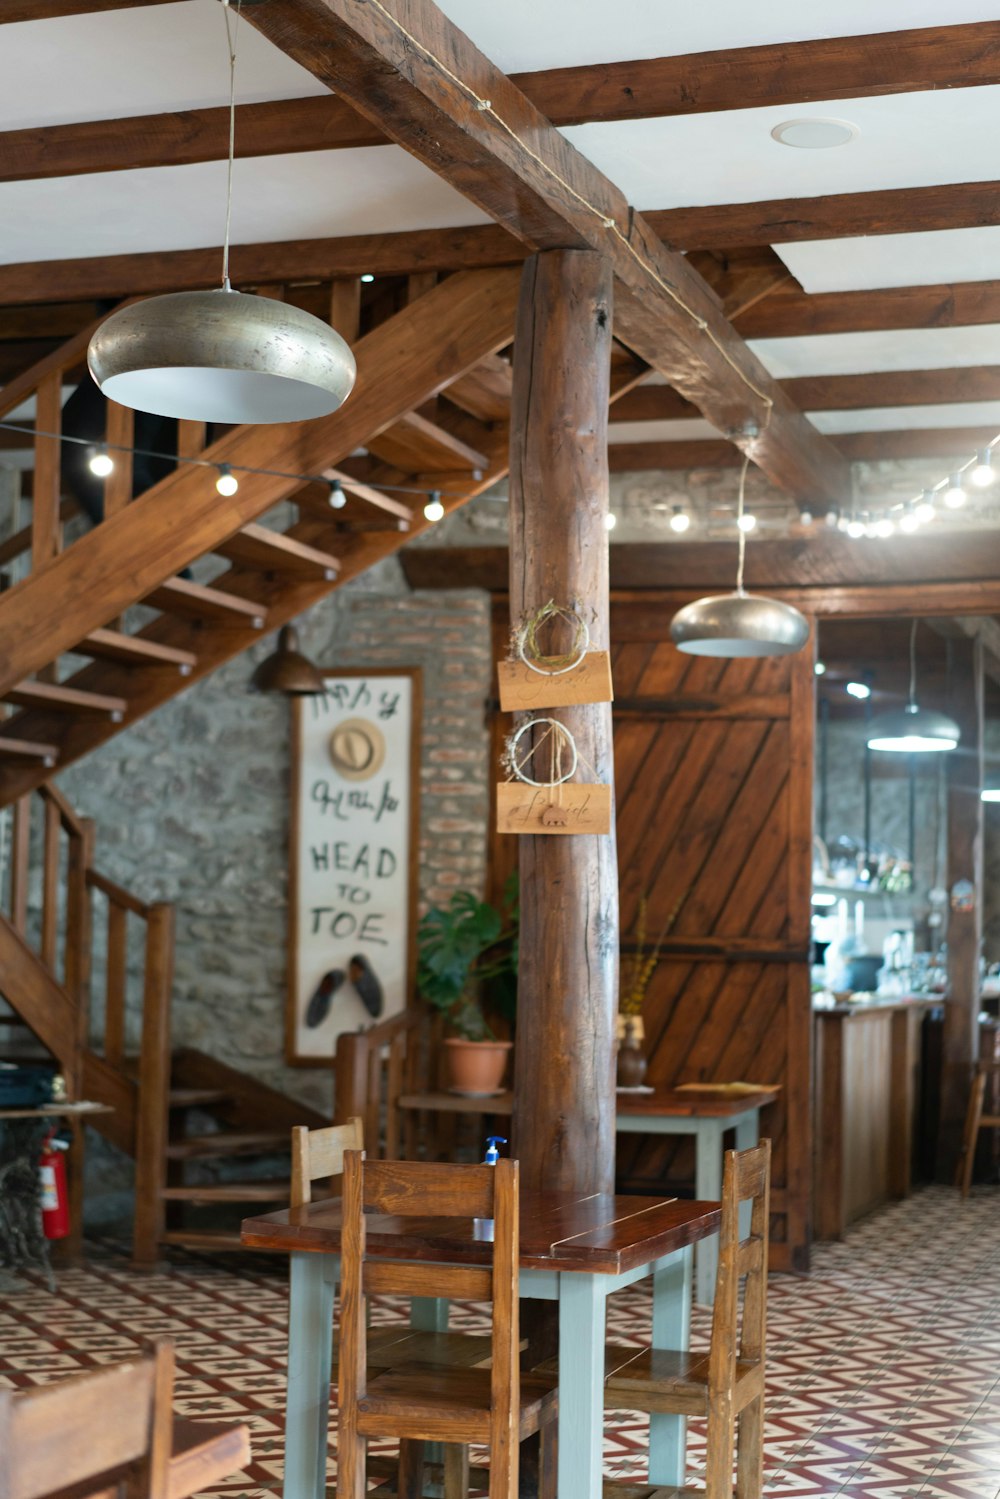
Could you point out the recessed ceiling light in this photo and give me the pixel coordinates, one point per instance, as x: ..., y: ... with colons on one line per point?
x: 814, y: 135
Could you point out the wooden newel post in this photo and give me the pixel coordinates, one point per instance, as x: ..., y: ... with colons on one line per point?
x: 564, y: 1100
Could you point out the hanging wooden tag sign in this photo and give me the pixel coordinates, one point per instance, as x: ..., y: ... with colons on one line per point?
x: 525, y: 805
x: 576, y: 808
x: 531, y: 680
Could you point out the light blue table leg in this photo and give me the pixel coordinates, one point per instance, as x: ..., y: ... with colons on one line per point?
x: 581, y: 1386
x: 708, y: 1188
x: 747, y: 1136
x: 671, y: 1329
x: 429, y: 1313
x: 313, y: 1280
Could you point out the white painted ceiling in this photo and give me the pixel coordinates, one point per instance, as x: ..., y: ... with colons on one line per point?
x: 173, y: 57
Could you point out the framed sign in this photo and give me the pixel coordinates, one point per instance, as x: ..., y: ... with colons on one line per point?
x: 355, y: 825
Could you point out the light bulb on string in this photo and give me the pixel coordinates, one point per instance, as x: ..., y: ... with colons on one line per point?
x: 227, y: 482
x: 909, y: 521
x: 338, y: 498
x: 805, y: 517
x: 434, y: 510
x: 884, y: 528
x: 679, y: 520
x: 610, y: 521
x: 367, y: 278
x: 925, y: 510
x: 746, y: 521
x: 855, y: 529
x: 832, y: 517
x: 101, y: 464
x: 982, y: 472
x: 954, y: 495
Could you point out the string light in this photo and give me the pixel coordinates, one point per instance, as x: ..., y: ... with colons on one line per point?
x: 925, y: 510
x: 227, y: 482
x: 982, y: 472
x: 954, y: 495
x: 338, y: 498
x: 806, y: 517
x: 855, y: 529
x: 884, y: 528
x: 610, y: 521
x: 434, y: 510
x: 746, y: 521
x: 102, y: 463
x: 679, y: 520
x: 909, y: 521
x: 367, y: 277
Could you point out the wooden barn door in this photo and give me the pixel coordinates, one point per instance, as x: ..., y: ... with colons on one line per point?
x: 714, y: 770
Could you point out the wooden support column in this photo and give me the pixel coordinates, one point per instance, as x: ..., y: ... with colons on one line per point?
x: 564, y: 1099
x: 960, y: 1042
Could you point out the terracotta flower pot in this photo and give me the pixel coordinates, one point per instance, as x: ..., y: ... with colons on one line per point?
x: 476, y: 1067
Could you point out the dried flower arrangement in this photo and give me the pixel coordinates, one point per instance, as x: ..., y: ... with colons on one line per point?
x: 638, y: 968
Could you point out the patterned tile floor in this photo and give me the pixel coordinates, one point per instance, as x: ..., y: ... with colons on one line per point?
x: 883, y: 1378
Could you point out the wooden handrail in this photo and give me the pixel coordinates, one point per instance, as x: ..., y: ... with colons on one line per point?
x: 70, y: 821
x: 72, y: 352
x: 116, y: 894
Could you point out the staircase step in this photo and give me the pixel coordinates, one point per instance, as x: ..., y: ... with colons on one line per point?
x: 59, y: 699
x: 27, y: 749
x: 251, y: 1191
x: 196, y: 601
x: 241, y: 1142
x: 192, y: 1238
x: 193, y: 1098
x: 271, y: 551
x: 135, y: 650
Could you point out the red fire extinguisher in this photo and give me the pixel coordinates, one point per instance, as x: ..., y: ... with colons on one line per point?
x: 55, y: 1197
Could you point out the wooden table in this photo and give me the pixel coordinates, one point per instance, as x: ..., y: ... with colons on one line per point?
x: 574, y: 1251
x: 706, y: 1113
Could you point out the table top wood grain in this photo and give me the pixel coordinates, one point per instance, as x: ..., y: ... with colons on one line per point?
x: 601, y: 1234
x: 661, y: 1103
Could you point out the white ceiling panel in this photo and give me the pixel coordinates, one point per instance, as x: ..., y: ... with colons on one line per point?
x: 523, y: 34
x: 678, y: 431
x: 322, y: 193
x: 909, y: 418
x: 865, y: 353
x: 136, y: 61
x: 895, y: 260
x: 905, y: 140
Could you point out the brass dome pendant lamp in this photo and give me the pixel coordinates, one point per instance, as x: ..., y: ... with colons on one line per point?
x: 739, y: 624
x: 222, y: 356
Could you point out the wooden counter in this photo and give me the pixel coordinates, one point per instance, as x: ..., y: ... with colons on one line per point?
x: 867, y: 1060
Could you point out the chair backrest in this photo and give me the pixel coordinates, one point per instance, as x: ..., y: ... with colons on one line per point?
x: 373, y: 1068
x: 318, y: 1154
x: 746, y: 1177
x: 426, y: 1190
x: 110, y: 1425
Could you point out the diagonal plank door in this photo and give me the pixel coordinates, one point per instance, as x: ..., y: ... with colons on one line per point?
x: 714, y: 786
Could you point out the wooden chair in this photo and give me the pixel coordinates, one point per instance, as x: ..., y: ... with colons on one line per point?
x: 111, y: 1425
x: 727, y: 1384
x: 318, y: 1154
x: 975, y: 1120
x: 419, y: 1403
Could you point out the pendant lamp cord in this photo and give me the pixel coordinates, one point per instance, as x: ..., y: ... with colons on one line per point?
x: 913, y: 663
x: 231, y: 34
x: 739, y: 523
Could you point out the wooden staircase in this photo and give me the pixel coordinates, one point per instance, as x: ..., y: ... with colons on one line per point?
x: 104, y: 1015
x: 430, y: 411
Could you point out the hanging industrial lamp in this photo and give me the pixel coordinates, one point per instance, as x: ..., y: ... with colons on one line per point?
x: 739, y: 624
x: 287, y: 670
x: 913, y: 730
x: 222, y: 356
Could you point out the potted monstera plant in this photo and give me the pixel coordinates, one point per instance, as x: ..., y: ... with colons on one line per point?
x: 467, y: 969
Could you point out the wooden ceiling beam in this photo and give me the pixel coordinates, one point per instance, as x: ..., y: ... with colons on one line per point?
x: 779, y: 221
x: 950, y: 444
x: 660, y: 403
x: 449, y: 106
x: 790, y: 312
x: 646, y: 88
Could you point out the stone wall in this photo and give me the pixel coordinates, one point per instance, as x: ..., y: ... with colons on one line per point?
x: 191, y: 806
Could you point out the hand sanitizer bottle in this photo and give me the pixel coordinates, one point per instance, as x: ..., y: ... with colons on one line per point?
x: 483, y: 1227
